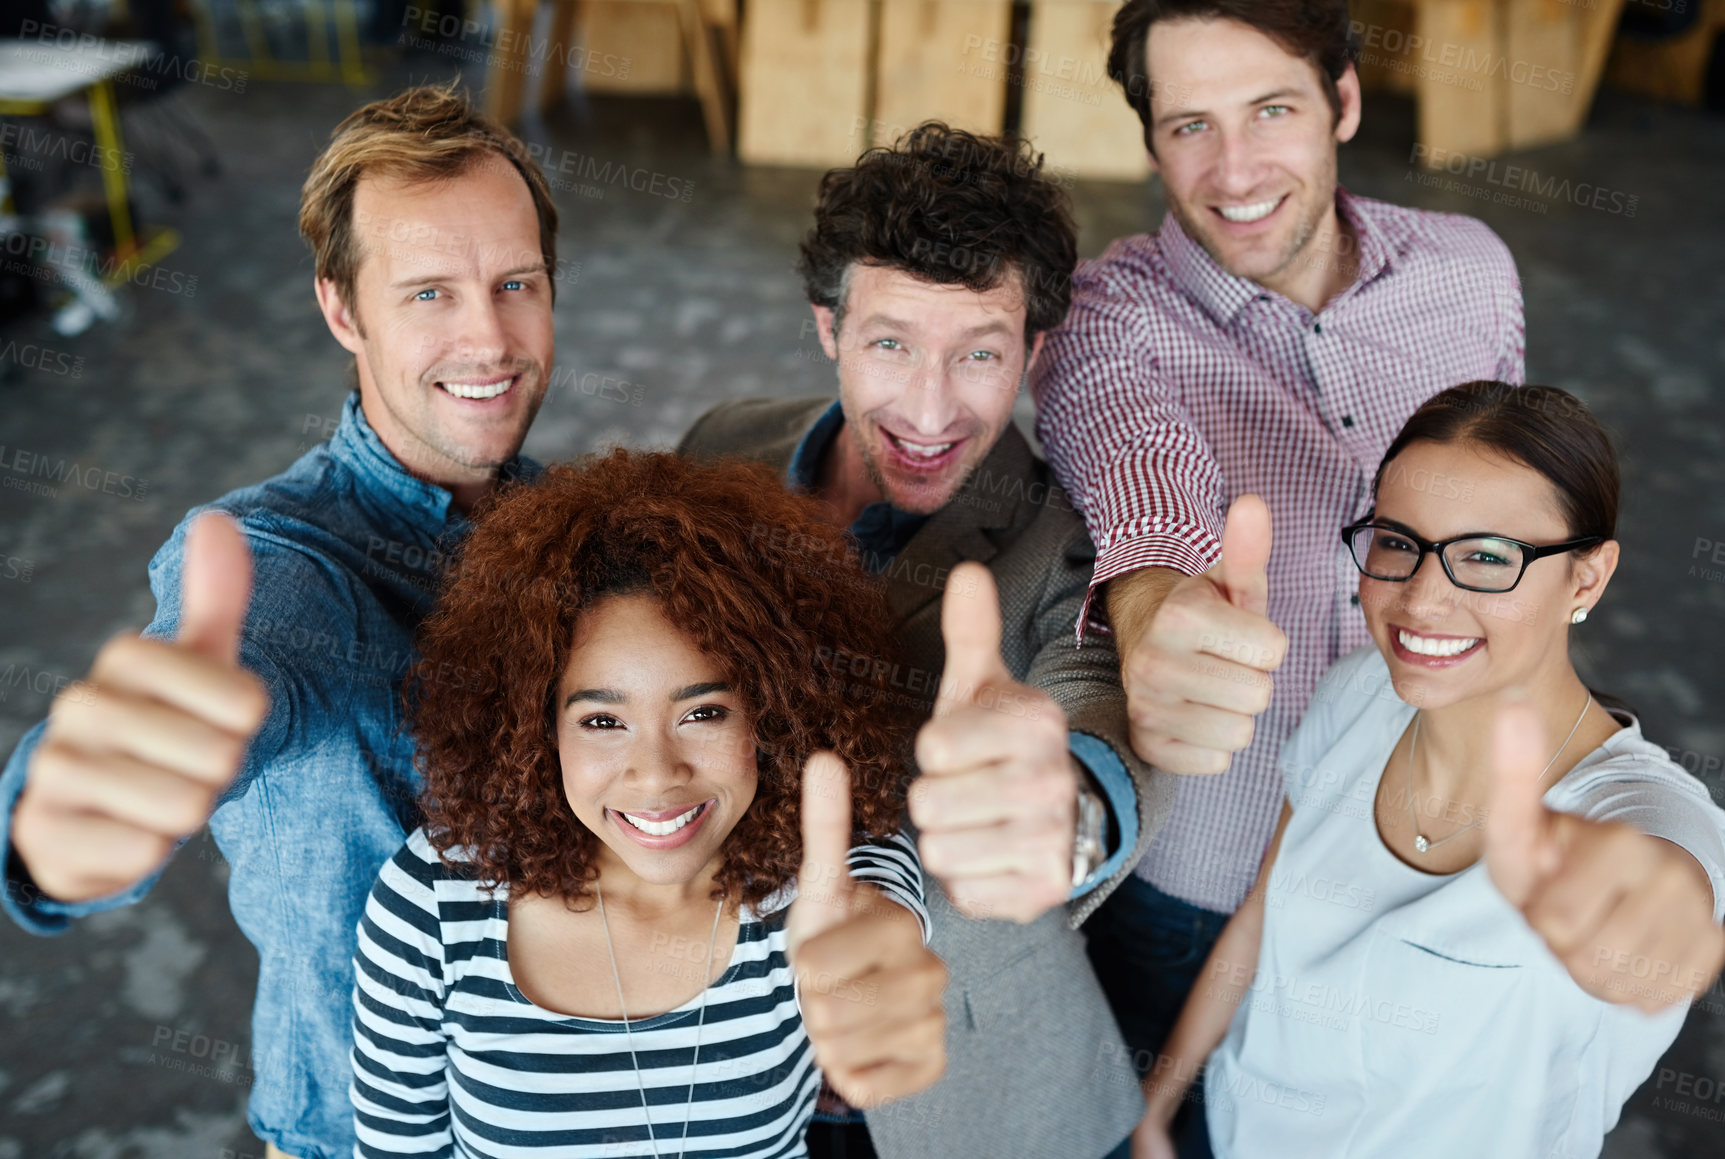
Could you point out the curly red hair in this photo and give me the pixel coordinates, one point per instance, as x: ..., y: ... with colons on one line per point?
x: 768, y: 588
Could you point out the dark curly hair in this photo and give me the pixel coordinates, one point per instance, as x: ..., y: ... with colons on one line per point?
x: 766, y: 586
x: 948, y: 207
x: 1315, y: 30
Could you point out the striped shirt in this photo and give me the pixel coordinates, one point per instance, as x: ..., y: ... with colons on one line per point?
x: 451, y: 1059
x: 1174, y: 387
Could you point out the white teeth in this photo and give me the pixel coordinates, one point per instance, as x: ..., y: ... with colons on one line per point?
x: 1431, y: 646
x: 662, y: 828
x: 474, y: 390
x: 1248, y: 212
x: 922, y: 450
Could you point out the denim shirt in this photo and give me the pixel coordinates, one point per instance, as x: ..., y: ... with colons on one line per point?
x: 347, y: 548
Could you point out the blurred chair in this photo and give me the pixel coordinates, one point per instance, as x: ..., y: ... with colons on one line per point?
x: 707, y: 32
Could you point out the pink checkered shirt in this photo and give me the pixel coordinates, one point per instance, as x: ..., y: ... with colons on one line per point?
x: 1174, y: 387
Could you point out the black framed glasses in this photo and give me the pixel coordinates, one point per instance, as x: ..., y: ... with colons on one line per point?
x: 1479, y: 562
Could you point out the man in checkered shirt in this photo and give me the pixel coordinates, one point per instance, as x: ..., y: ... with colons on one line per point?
x: 1270, y: 339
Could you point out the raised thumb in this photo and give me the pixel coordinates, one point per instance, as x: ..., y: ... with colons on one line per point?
x: 215, y: 587
x: 823, y: 881
x: 1519, y: 851
x: 1244, y: 568
x: 970, y: 629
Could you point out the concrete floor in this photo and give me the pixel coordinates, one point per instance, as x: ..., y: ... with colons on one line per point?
x: 129, y: 1038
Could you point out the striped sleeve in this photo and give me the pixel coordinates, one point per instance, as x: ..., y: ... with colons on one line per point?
x: 399, y: 1089
x: 891, y: 865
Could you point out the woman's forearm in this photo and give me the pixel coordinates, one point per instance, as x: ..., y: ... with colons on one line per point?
x: 1221, y: 987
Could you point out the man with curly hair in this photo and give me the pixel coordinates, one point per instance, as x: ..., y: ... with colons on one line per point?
x: 934, y: 269
x: 274, y: 702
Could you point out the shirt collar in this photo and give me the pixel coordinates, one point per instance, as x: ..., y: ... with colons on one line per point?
x: 805, y: 468
x: 1222, y: 295
x: 357, y: 447
x: 881, y: 529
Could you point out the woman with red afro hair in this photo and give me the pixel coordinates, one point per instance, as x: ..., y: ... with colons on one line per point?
x: 635, y: 748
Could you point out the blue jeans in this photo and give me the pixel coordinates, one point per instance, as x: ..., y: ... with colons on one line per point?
x: 1147, y: 948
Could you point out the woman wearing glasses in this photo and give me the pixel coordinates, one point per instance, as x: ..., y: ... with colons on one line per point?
x: 1489, y: 899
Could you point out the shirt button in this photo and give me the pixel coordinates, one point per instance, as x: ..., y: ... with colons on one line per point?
x: 1317, y: 327
x: 1354, y: 599
x: 1347, y: 420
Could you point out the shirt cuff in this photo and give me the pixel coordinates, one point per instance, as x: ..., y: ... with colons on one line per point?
x: 1192, y: 555
x: 1105, y: 765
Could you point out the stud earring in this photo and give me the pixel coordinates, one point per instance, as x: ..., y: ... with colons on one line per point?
x: 1578, y: 615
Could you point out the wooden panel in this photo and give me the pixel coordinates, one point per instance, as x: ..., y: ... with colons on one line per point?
x: 1072, y: 111
x: 1540, y: 42
x: 1387, y: 63
x: 1461, y: 107
x: 1669, y: 70
x: 932, y: 65
x: 1556, y: 52
x: 804, y: 82
x: 506, y: 73
x: 633, y: 48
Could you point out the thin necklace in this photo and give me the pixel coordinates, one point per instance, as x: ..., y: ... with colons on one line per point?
x: 628, y: 1036
x: 1423, y: 843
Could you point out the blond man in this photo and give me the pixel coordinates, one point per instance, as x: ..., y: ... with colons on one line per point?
x: 264, y: 695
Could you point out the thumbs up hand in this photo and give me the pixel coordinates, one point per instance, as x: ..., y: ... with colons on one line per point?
x: 135, y: 755
x: 1199, y: 673
x: 1630, y: 916
x: 997, y: 802
x: 869, y: 990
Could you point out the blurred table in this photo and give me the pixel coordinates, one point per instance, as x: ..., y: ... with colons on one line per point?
x: 34, y: 74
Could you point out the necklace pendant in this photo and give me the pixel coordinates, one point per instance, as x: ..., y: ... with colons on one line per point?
x: 1420, y: 843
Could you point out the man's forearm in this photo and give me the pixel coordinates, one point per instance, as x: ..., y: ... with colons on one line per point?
x: 1133, y: 600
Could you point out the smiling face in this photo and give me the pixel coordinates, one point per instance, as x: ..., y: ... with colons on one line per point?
x: 1443, y: 644
x: 1246, y: 145
x: 658, y: 757
x: 450, y: 322
x: 928, y: 374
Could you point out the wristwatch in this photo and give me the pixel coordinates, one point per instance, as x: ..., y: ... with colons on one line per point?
x: 1088, y: 849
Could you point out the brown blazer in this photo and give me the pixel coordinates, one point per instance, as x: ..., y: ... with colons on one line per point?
x: 1036, y: 1067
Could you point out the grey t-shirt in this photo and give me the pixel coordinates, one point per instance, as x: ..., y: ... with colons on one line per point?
x: 1399, y: 1012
